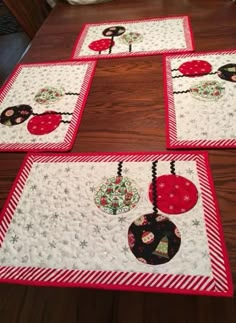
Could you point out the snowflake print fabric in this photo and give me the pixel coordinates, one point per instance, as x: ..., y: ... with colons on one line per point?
x: 44, y: 114
x: 134, y: 38
x: 53, y: 229
x: 200, y: 100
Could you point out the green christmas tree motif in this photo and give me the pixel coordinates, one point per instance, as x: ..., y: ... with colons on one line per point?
x: 130, y: 38
x: 162, y: 248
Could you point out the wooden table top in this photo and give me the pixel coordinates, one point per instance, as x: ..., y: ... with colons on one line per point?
x: 125, y: 112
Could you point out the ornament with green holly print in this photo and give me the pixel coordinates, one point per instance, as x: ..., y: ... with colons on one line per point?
x: 130, y: 38
x: 205, y: 91
x: 49, y: 95
x: 117, y: 195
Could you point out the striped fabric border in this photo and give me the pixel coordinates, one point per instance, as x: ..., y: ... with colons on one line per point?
x: 77, y: 114
x: 171, y: 129
x: 80, y: 40
x: 218, y: 284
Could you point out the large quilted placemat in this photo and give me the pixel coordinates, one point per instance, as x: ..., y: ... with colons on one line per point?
x: 41, y: 105
x: 200, y: 100
x: 134, y: 38
x: 145, y: 222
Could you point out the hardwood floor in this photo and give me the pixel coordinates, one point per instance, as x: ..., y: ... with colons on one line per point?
x: 19, y: 304
x: 134, y: 125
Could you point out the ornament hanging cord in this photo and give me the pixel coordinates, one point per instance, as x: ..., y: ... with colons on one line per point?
x: 55, y: 113
x: 172, y: 167
x: 154, y: 187
x: 119, y: 171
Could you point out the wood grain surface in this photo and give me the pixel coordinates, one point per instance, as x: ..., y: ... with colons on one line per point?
x: 125, y: 112
x: 30, y: 14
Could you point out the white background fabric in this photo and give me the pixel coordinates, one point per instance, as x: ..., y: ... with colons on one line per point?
x: 157, y: 35
x: 197, y: 119
x: 27, y: 84
x: 57, y: 224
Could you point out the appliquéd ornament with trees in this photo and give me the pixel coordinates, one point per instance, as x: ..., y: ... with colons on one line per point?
x: 153, y: 238
x: 117, y: 195
x: 130, y: 38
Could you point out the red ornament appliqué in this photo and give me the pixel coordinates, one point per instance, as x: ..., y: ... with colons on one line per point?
x: 44, y: 123
x: 195, y: 68
x: 175, y: 194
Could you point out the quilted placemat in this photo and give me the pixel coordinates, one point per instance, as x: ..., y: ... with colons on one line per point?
x: 200, y: 100
x: 145, y: 222
x: 134, y: 38
x: 41, y: 105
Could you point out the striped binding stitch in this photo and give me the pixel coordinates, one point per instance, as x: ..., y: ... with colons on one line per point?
x: 218, y: 284
x: 82, y: 36
x: 76, y: 117
x: 173, y: 141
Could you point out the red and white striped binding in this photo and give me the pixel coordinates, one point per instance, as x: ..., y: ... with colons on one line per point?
x: 219, y: 283
x: 171, y: 128
x: 80, y: 40
x: 76, y: 117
